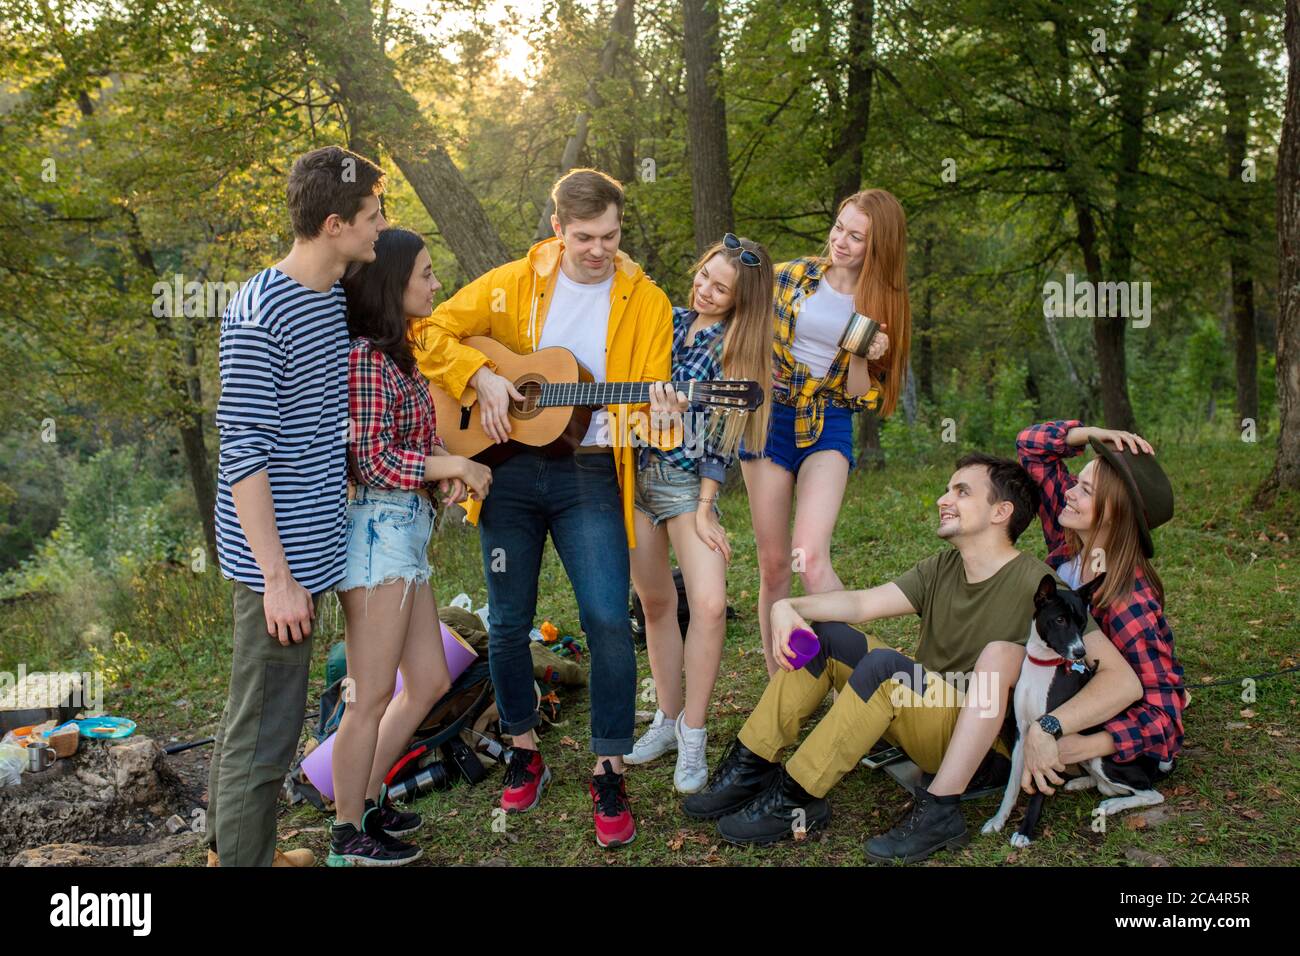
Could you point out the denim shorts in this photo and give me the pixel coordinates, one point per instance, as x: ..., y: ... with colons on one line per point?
x: 665, y: 491
x: 837, y: 435
x: 388, y: 538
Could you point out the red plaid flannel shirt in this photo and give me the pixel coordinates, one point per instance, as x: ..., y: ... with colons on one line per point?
x: 393, y: 423
x: 1135, y: 624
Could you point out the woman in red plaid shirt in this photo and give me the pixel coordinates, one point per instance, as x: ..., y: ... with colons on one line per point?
x: 395, y: 457
x: 1100, y: 522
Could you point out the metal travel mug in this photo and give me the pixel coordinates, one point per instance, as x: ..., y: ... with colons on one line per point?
x: 39, y: 757
x: 858, y: 334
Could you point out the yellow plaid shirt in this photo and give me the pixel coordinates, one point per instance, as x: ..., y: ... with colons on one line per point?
x: 793, y: 382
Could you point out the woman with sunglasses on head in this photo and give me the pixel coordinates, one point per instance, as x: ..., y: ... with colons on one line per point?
x: 818, y: 386
x: 724, y: 333
x: 397, y: 462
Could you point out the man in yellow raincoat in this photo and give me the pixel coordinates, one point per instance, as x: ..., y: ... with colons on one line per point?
x: 575, y: 290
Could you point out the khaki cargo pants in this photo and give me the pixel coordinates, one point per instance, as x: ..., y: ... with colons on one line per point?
x: 257, y: 737
x: 882, y: 694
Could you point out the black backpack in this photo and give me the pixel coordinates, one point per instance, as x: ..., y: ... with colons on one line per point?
x: 637, y: 613
x: 447, y: 729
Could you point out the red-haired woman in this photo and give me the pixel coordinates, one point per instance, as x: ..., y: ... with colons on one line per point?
x: 817, y: 386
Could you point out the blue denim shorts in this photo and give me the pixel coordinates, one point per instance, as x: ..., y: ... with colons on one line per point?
x: 388, y: 538
x: 837, y: 435
x: 665, y: 491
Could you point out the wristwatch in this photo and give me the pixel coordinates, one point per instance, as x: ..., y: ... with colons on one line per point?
x: 1051, y: 725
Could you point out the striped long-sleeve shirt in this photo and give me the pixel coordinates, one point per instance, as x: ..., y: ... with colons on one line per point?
x: 284, y: 410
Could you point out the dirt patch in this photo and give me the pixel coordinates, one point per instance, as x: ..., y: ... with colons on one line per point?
x: 109, y: 804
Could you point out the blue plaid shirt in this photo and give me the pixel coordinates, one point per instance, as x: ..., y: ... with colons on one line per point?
x: 696, y: 361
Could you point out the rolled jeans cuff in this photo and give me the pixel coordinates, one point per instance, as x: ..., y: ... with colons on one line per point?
x: 516, y: 727
x: 611, y: 746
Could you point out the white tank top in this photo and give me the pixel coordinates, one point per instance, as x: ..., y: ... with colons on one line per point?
x: 818, y: 327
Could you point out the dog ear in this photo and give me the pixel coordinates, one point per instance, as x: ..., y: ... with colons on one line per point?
x: 1046, y: 590
x: 1087, y: 590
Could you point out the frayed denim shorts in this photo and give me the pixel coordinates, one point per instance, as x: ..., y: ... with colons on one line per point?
x: 665, y: 491
x: 388, y: 538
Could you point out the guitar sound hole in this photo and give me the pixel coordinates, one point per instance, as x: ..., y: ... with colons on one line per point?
x: 531, y: 389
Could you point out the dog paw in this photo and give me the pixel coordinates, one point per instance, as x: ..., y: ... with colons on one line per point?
x: 1080, y: 783
x: 1020, y: 841
x: 994, y: 825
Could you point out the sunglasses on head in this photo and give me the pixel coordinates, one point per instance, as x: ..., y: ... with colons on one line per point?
x: 747, y: 256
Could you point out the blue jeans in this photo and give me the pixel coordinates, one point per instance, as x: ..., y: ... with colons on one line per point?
x: 576, y: 498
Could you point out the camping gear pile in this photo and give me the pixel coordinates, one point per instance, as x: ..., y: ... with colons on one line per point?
x: 460, y: 739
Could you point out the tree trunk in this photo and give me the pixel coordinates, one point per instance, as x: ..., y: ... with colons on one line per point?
x: 183, y: 381
x: 368, y: 87
x: 706, y: 125
x: 1108, y: 345
x: 873, y: 456
x: 846, y: 165
x: 1286, y: 469
x: 1108, y: 331
x: 577, y: 140
x: 182, y: 375
x: 1233, y: 78
x: 625, y: 67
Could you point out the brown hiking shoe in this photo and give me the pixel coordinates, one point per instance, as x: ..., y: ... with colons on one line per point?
x: 302, y: 857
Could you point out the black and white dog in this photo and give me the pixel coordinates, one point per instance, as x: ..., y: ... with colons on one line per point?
x: 1054, y: 670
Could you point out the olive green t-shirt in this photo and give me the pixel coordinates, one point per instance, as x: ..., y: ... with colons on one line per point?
x: 958, y: 619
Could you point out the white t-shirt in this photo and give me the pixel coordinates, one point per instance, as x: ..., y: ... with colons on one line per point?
x: 818, y: 327
x: 578, y: 320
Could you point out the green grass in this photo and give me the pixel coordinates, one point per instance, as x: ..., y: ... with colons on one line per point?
x: 1231, y: 577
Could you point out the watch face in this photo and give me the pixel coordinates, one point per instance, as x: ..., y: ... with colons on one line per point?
x: 1050, y: 724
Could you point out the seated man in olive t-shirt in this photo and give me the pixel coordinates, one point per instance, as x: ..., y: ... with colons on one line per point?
x: 979, y: 591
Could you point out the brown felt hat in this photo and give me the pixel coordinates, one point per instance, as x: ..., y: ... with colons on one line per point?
x: 1148, y: 488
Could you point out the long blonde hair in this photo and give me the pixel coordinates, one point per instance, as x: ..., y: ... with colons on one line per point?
x: 1122, y: 550
x: 881, y: 292
x: 746, y: 344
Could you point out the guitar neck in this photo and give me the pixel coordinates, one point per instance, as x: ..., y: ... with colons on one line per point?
x: 596, y: 393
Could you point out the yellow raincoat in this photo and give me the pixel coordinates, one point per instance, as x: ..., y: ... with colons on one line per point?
x: 509, y: 303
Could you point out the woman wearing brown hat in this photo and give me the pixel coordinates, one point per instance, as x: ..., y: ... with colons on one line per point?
x: 1099, y: 523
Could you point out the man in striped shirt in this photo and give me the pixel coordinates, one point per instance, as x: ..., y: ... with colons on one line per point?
x: 282, y: 489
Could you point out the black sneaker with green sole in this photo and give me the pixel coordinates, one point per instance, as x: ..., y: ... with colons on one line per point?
x: 396, y: 823
x: 352, y: 847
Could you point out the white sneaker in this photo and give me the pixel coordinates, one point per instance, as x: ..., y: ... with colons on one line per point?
x: 692, y: 771
x: 655, y: 742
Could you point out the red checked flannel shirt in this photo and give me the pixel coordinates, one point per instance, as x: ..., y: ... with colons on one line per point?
x: 393, y: 422
x: 1135, y: 624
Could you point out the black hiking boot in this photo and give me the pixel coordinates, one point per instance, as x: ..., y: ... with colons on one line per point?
x: 778, y: 812
x: 933, y: 824
x: 741, y: 776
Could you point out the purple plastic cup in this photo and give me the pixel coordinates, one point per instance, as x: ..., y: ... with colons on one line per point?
x: 805, y: 645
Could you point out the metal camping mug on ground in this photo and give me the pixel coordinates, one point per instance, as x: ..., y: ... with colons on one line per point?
x: 858, y: 334
x: 39, y: 757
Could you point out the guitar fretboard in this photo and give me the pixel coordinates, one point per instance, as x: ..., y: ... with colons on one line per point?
x: 595, y: 393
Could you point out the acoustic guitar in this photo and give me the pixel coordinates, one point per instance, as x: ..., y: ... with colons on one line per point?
x: 559, y: 396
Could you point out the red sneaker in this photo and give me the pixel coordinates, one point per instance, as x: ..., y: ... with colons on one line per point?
x: 526, y: 777
x: 610, y: 809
